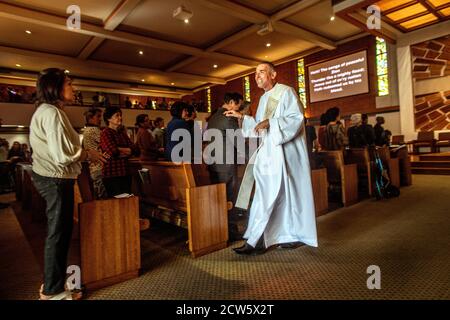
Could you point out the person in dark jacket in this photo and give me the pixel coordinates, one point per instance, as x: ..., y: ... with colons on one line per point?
x: 179, y: 112
x: 220, y: 171
x: 380, y: 136
x: 367, y: 130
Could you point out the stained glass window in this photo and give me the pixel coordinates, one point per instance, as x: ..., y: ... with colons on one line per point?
x: 208, y: 98
x: 247, y: 88
x: 382, y: 67
x: 301, y: 81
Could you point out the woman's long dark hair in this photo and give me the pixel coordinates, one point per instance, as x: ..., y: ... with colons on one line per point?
x: 49, y: 87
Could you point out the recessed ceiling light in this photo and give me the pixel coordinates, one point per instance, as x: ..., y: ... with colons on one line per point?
x: 332, y: 18
x: 141, y: 52
x: 266, y: 57
x: 28, y: 31
x: 173, y: 83
x: 268, y: 45
x: 20, y: 126
x: 18, y: 65
x: 215, y: 66
x: 66, y: 71
x: 186, y: 20
x: 143, y: 80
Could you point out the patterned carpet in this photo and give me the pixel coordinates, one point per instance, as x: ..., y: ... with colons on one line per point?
x: 407, y: 237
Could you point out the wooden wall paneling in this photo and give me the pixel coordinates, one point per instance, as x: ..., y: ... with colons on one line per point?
x: 320, y: 190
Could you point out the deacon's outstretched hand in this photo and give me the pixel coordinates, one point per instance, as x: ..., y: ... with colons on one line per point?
x: 232, y: 113
x: 263, y: 125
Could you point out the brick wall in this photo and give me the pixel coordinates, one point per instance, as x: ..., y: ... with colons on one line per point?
x: 431, y: 59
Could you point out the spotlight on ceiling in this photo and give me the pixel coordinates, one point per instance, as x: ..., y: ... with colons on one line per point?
x: 183, y: 14
x: 28, y: 31
x: 268, y: 45
x: 141, y: 52
x: 332, y: 18
x: 18, y: 65
x: 215, y: 66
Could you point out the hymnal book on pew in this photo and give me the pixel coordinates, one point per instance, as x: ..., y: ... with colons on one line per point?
x: 123, y: 195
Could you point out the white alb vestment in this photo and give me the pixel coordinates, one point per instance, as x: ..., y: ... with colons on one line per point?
x: 283, y: 203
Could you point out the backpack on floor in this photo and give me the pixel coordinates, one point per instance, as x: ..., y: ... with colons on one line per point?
x: 382, y: 185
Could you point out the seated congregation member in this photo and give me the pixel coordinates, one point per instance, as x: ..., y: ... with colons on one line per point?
x: 115, y: 142
x: 91, y: 141
x: 179, y: 112
x: 56, y: 164
x: 145, y: 140
x: 16, y: 154
x: 159, y: 132
x: 367, y: 130
x: 355, y: 135
x: 335, y: 138
x: 222, y: 172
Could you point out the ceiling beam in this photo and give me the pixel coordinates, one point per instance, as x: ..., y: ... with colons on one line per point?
x: 90, y: 47
x: 258, y: 18
x: 289, y: 29
x: 293, y: 9
x: 100, y: 69
x: 436, y: 13
x: 120, y: 12
x: 219, y: 45
x: 56, y: 22
x: 235, y: 10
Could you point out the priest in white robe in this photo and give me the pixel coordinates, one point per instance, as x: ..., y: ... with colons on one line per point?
x: 282, y: 211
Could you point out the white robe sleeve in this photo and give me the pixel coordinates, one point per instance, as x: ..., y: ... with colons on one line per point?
x: 63, y: 150
x: 288, y: 125
x: 248, y: 127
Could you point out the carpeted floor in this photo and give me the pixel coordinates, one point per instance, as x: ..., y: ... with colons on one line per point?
x: 407, y: 237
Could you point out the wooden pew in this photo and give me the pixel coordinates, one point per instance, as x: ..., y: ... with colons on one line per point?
x: 30, y: 197
x: 109, y: 236
x: 344, y: 175
x: 361, y: 157
x: 392, y: 164
x: 180, y: 194
x: 405, y: 165
x: 320, y: 190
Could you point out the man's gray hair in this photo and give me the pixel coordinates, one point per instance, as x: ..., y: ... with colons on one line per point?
x: 270, y: 64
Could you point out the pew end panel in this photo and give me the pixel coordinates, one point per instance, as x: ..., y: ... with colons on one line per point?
x: 109, y: 241
x: 345, y: 175
x: 361, y: 157
x: 207, y: 219
x: 320, y: 190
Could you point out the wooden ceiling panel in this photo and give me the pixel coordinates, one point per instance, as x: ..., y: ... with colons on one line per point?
x: 445, y: 12
x: 128, y: 54
x: 281, y: 46
x: 438, y: 3
x: 205, y: 67
x: 12, y: 34
x: 266, y: 6
x: 92, y: 10
x: 154, y: 18
x: 406, y: 12
x: 317, y: 19
x: 426, y: 19
x: 391, y: 4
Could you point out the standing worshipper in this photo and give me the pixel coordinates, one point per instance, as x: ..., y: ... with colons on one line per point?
x: 115, y: 142
x: 91, y: 141
x: 282, y: 211
x: 223, y: 172
x: 56, y: 165
x: 145, y: 140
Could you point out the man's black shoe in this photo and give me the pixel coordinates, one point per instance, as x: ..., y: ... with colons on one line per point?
x: 248, y: 250
x: 290, y: 245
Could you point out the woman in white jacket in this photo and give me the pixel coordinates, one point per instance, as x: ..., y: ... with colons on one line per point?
x: 57, y: 154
